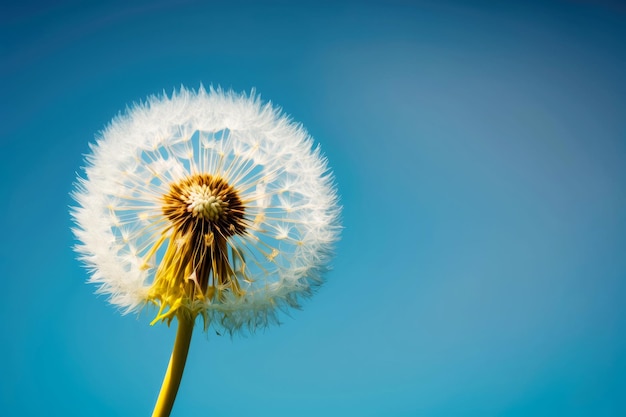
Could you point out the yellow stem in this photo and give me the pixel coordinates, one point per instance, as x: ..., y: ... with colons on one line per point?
x: 174, y: 373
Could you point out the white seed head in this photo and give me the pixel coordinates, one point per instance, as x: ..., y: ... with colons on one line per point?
x: 212, y: 192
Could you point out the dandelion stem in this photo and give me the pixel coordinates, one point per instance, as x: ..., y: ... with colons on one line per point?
x: 174, y: 372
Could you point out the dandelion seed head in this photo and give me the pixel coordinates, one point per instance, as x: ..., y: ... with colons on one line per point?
x: 207, y: 203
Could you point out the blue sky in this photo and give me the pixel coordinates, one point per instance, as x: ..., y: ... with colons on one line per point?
x: 479, y: 152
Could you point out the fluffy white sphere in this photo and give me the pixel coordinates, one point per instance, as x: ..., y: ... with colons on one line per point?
x: 288, y: 216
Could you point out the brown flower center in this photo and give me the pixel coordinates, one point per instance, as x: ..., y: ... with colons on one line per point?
x: 199, y: 264
x: 204, y: 203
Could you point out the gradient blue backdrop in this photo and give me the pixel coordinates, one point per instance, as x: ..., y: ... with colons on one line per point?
x: 480, y: 153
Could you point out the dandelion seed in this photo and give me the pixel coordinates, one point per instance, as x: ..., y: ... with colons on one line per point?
x: 205, y: 204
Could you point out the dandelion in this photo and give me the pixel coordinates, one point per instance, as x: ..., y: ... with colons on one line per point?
x: 207, y: 204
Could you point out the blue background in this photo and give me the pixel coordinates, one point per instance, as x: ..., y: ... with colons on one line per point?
x: 479, y: 148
